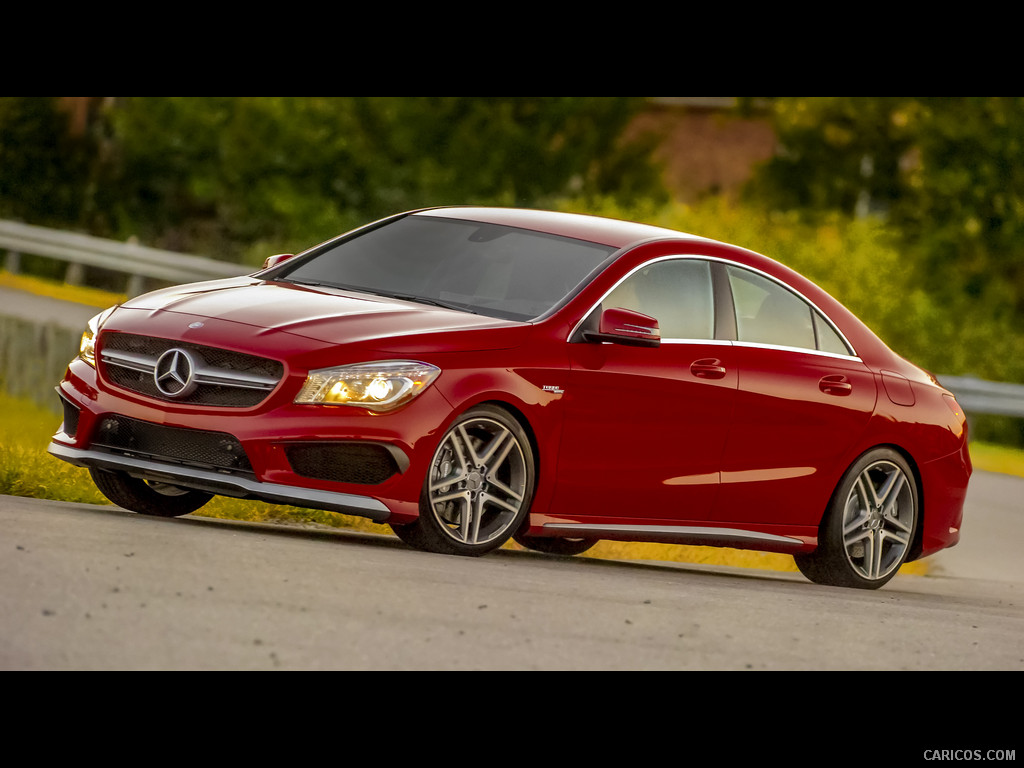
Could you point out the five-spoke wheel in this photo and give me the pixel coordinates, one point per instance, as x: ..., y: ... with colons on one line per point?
x: 869, y: 528
x: 478, y: 487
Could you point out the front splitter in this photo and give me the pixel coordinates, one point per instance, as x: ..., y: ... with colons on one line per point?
x: 222, y: 484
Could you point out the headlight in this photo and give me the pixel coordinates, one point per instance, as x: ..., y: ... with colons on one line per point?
x: 379, y: 387
x: 87, y: 347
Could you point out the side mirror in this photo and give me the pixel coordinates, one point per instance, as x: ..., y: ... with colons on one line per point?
x: 273, y: 261
x: 624, y: 326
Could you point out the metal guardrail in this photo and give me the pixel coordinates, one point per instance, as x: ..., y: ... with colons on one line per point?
x: 986, y: 397
x: 138, y: 262
x: 976, y: 396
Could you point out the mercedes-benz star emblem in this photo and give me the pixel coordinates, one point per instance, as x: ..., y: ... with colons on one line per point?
x: 174, y: 374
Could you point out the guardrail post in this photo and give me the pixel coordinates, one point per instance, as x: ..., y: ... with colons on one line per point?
x: 74, y: 274
x: 136, y: 285
x: 12, y: 262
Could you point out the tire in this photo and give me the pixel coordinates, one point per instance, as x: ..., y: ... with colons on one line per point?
x: 156, y: 499
x: 478, y: 488
x: 869, y: 528
x: 555, y: 545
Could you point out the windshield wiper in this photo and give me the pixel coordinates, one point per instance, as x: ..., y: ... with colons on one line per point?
x: 384, y: 294
x: 322, y: 284
x: 424, y: 300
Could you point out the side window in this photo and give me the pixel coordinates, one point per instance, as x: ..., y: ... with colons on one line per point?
x: 767, y: 313
x: 677, y: 293
x: 828, y: 339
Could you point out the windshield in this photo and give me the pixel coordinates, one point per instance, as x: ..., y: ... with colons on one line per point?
x: 489, y: 269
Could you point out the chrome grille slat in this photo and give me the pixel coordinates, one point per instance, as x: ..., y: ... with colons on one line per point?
x: 204, y: 375
x: 212, y: 376
x: 142, y: 363
x: 233, y: 379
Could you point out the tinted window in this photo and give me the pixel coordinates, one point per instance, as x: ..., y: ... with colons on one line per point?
x: 493, y: 270
x: 767, y: 313
x: 676, y: 293
x: 828, y: 339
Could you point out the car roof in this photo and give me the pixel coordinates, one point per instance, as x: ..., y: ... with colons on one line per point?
x: 596, y: 229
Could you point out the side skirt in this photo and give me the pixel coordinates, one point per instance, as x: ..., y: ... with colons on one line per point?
x: 684, y: 534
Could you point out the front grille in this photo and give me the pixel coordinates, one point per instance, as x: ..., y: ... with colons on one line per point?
x: 362, y: 463
x: 199, y: 448
x: 221, y: 377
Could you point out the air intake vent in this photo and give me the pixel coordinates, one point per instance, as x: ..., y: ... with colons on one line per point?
x: 361, y: 463
x: 71, y: 413
x: 214, y: 450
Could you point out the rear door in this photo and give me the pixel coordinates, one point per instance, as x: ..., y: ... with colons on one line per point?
x: 803, y: 400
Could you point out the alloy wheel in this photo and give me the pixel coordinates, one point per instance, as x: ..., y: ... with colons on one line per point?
x: 479, y: 481
x: 878, y: 520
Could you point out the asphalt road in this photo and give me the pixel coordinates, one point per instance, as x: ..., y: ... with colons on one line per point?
x: 95, y: 588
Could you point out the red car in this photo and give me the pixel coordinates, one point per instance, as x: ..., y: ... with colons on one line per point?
x: 469, y: 375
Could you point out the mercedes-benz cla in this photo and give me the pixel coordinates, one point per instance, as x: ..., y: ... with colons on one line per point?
x: 469, y: 375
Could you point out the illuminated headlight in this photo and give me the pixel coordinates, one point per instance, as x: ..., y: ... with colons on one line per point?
x: 379, y: 387
x: 87, y: 347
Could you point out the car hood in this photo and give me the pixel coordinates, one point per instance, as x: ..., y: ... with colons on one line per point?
x: 328, y: 315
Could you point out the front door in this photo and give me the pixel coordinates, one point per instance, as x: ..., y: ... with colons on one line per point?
x: 645, y: 427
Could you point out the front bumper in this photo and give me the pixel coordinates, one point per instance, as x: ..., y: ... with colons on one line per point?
x: 278, y: 446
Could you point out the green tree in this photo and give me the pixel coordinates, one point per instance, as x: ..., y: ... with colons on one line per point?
x: 836, y: 153
x: 214, y: 175
x: 236, y: 177
x: 963, y: 207
x: 44, y: 168
x: 225, y: 176
x: 509, y: 150
x: 946, y: 173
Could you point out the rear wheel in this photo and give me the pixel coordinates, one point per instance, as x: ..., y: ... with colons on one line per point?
x: 478, y: 488
x: 869, y: 528
x: 147, y: 498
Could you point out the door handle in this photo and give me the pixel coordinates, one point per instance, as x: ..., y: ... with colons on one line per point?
x: 708, y: 368
x: 837, y: 385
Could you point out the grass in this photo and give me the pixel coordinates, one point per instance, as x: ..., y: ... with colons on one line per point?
x: 27, y: 470
x: 997, y: 458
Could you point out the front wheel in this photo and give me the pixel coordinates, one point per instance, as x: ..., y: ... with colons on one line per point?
x: 869, y: 528
x: 147, y: 498
x: 478, y: 488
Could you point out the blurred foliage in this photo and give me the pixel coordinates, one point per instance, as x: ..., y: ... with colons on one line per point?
x: 241, y: 177
x: 909, y: 209
x: 945, y: 173
x: 44, y: 168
